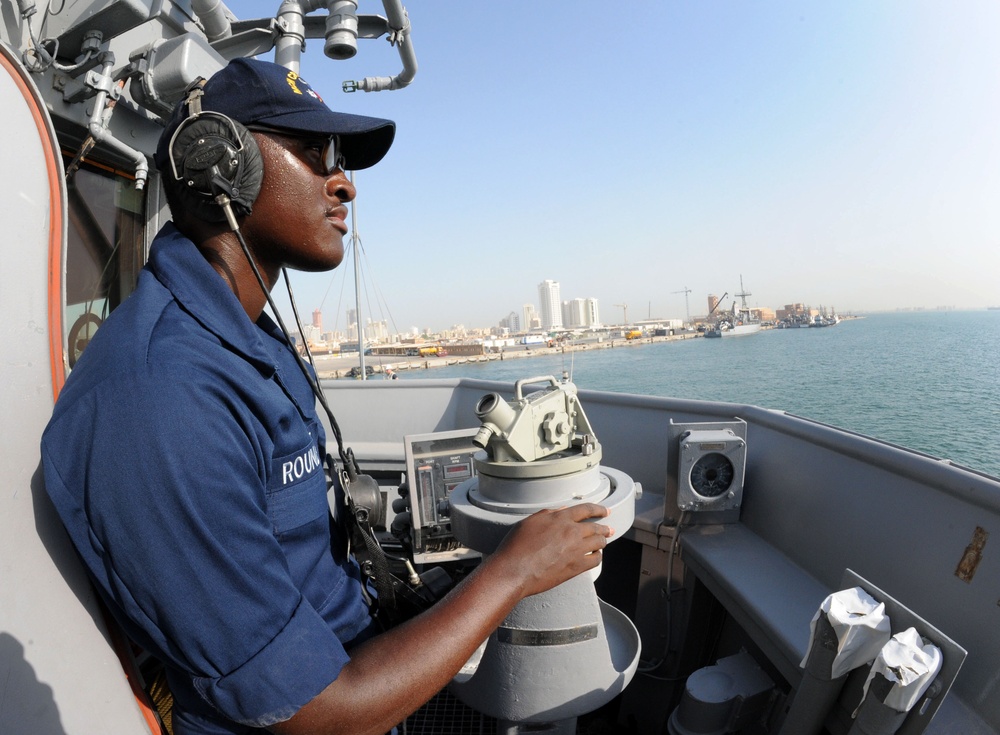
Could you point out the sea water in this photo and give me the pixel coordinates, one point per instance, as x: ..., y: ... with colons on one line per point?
x: 929, y: 380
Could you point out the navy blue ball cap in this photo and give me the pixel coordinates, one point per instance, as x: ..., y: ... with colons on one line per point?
x: 252, y: 91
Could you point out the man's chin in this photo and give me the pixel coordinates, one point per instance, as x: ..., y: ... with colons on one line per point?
x: 326, y: 264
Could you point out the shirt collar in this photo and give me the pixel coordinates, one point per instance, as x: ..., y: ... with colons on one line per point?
x: 177, y: 263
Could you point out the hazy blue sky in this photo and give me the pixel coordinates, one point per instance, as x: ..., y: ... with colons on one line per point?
x: 841, y: 154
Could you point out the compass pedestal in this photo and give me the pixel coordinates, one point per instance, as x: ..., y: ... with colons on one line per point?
x: 561, y: 653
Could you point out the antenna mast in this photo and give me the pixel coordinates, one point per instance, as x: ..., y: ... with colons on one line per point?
x: 743, y: 295
x: 356, y: 243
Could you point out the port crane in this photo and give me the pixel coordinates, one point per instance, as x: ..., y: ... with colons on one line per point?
x: 625, y: 315
x: 717, y: 304
x: 687, y: 306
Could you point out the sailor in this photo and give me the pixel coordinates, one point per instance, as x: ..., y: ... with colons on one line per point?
x: 184, y: 454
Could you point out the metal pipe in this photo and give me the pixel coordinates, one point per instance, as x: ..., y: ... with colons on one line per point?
x: 292, y: 34
x: 874, y: 716
x: 97, y: 127
x: 399, y: 22
x: 818, y: 690
x: 341, y: 29
x: 212, y: 14
x: 292, y: 31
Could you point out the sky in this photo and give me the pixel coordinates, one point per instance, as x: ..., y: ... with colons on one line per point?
x: 844, y: 155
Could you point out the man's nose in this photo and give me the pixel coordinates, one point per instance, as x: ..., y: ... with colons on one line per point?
x: 338, y: 185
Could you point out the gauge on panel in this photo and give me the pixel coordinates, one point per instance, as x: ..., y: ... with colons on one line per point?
x: 711, y: 464
x: 712, y: 475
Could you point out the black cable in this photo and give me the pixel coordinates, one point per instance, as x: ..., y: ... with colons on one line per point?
x: 350, y: 467
x: 367, y: 533
x: 382, y: 577
x: 298, y: 321
x: 379, y: 572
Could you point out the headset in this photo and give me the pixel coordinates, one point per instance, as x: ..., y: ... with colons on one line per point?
x: 218, y: 160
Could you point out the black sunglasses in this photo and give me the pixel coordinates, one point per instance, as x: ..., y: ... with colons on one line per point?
x: 331, y: 157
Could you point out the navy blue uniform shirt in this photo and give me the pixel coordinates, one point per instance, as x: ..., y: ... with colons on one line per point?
x: 184, y: 457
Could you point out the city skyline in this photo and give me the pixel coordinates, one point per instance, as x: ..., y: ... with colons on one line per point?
x: 527, y: 321
x: 844, y: 154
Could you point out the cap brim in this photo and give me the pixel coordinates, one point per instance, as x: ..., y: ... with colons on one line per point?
x: 364, y: 141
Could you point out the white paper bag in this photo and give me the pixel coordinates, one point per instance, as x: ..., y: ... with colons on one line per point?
x: 909, y: 662
x: 861, y: 625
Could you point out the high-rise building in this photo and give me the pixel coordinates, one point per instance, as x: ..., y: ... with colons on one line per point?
x: 377, y: 331
x: 574, y: 313
x: 311, y: 333
x: 550, y: 305
x: 591, y: 316
x: 713, y: 301
x: 529, y: 317
x: 511, y: 322
x: 318, y: 319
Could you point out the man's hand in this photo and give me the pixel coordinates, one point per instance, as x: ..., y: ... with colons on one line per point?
x: 391, y: 675
x: 551, y: 546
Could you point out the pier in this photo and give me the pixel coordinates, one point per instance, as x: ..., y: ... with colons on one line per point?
x: 340, y: 366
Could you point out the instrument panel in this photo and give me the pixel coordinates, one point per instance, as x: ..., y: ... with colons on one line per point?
x: 436, y: 464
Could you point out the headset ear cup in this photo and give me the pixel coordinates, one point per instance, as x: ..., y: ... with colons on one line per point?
x: 251, y: 175
x: 212, y: 153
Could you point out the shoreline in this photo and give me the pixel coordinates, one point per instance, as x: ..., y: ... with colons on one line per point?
x: 336, y: 366
x: 339, y: 366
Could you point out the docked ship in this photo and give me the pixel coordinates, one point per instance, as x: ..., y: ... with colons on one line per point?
x: 742, y: 328
x: 741, y: 529
x: 743, y: 321
x: 740, y: 322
